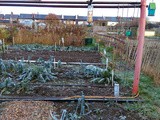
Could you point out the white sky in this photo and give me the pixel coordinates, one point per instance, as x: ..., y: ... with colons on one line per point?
x: 81, y: 11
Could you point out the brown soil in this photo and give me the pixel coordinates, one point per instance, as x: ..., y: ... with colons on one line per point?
x: 64, y: 56
x: 40, y: 110
x: 27, y: 110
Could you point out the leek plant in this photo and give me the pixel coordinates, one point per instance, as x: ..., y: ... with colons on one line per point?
x: 82, y: 109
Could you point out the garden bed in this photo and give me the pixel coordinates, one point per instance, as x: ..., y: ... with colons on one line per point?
x: 64, y: 56
x: 63, y: 81
x: 40, y: 110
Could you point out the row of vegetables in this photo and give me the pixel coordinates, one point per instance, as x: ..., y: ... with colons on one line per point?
x: 16, y: 75
x: 33, y: 47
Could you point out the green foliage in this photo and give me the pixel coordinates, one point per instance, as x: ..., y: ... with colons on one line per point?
x: 134, y: 32
x: 100, y: 76
x: 7, y: 85
x: 22, y: 86
x: 34, y: 47
x: 82, y: 106
x: 2, y: 66
x: 157, y: 33
x: 93, y: 70
x: 11, y: 67
x: 59, y: 64
x: 109, y: 49
x: 4, y: 33
x: 82, y: 109
x: 36, y: 73
x: 102, y: 44
x: 23, y: 74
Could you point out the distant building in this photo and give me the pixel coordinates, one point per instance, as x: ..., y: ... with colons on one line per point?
x: 149, y: 33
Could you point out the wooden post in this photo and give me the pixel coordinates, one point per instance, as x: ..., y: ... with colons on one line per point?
x: 55, y: 46
x: 106, y: 63
x: 54, y: 64
x: 63, y: 41
x: 3, y: 46
x: 112, y: 77
x: 13, y: 41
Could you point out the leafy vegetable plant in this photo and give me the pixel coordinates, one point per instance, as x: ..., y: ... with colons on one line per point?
x: 100, y: 76
x: 7, y: 86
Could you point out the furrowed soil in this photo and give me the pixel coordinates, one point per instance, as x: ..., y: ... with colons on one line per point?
x: 64, y: 56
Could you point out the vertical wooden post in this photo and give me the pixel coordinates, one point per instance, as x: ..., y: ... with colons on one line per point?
x: 3, y: 46
x: 13, y: 41
x: 141, y: 34
x: 55, y: 46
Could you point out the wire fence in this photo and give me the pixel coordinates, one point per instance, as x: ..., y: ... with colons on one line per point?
x: 127, y: 49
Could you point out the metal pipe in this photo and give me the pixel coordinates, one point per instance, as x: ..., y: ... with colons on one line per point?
x: 68, y: 100
x: 72, y: 98
x: 104, y: 97
x: 44, y: 5
x: 69, y: 2
x: 48, y: 2
x: 109, y: 2
x: 68, y: 85
x: 141, y: 33
x: 67, y: 6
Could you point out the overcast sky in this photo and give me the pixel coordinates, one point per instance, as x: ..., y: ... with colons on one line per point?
x: 81, y: 11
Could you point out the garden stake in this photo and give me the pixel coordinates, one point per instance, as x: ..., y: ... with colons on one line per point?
x: 54, y: 63
x: 98, y: 46
x: 104, y: 52
x: 7, y: 48
x: 63, y: 41
x: 55, y: 47
x: 59, y: 42
x: 13, y: 41
x: 106, y: 63
x: 3, y: 46
x: 112, y: 77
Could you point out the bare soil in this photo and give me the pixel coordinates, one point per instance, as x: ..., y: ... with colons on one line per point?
x: 64, y: 56
x: 41, y: 110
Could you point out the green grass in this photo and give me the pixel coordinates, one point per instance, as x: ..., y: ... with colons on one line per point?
x: 150, y: 93
x: 148, y: 90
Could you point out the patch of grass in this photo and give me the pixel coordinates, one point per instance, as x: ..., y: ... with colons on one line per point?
x: 148, y: 90
x: 150, y: 93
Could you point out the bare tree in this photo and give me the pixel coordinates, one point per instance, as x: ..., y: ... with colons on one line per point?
x: 52, y: 21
